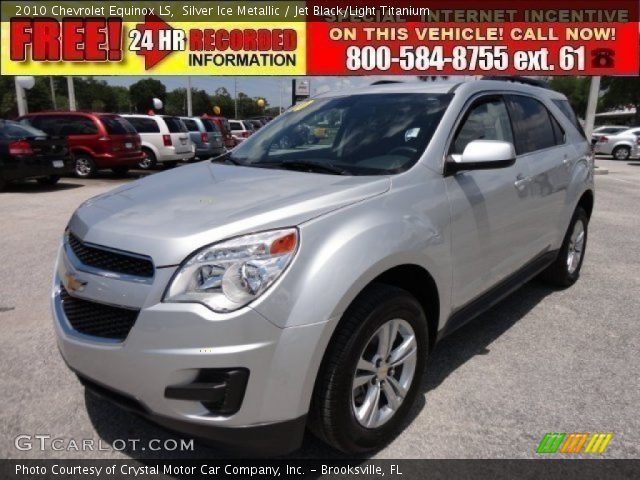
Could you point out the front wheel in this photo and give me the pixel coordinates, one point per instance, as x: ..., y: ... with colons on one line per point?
x: 371, y: 373
x: 565, y: 270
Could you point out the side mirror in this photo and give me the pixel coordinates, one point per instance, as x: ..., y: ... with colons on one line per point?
x: 483, y: 155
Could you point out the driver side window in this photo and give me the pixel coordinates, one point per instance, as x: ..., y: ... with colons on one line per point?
x: 485, y: 121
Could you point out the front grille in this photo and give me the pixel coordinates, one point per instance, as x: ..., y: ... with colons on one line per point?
x: 109, y: 260
x: 97, y: 319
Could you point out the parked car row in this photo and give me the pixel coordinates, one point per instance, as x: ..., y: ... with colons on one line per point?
x: 83, y: 143
x: 618, y: 141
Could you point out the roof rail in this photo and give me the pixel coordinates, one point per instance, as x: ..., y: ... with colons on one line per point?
x: 386, y: 82
x: 515, y: 79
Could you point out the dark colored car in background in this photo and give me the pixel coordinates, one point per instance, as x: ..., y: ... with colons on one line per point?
x: 257, y: 124
x: 97, y: 140
x: 223, y: 125
x: 29, y: 153
x: 205, y: 136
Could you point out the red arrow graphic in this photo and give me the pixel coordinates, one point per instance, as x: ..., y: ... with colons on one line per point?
x: 153, y: 24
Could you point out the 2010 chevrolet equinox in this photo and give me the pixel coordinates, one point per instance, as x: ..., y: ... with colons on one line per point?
x: 302, y: 279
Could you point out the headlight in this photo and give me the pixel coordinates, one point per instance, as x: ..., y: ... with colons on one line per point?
x: 228, y: 275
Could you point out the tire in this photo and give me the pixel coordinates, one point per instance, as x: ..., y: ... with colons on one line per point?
x: 150, y: 160
x: 48, y: 181
x: 85, y: 166
x: 565, y: 270
x: 621, y: 153
x: 120, y: 171
x: 336, y: 415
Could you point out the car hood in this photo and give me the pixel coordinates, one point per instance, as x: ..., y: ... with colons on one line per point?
x: 169, y: 215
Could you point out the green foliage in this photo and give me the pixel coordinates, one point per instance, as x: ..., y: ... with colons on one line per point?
x: 144, y: 91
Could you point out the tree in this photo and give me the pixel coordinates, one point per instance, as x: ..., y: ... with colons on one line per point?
x: 176, y: 103
x: 622, y: 92
x: 221, y: 98
x: 144, y: 91
x: 576, y: 89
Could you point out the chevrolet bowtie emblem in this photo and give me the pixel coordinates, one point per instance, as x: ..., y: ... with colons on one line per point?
x: 74, y: 284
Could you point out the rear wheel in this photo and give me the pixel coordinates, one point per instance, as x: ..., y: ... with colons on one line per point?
x: 565, y: 270
x: 48, y: 181
x: 621, y: 153
x: 85, y: 166
x: 371, y: 373
x: 149, y: 161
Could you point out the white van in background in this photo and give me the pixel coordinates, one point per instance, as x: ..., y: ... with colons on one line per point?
x: 165, y: 139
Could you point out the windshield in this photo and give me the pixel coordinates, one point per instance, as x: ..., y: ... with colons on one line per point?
x: 610, y: 130
x: 372, y: 134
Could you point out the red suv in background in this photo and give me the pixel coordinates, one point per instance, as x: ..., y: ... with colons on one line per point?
x: 97, y: 140
x: 225, y: 130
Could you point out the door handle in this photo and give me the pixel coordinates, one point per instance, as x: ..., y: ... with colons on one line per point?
x: 522, y: 182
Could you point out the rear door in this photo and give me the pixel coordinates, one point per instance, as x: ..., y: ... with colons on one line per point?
x: 80, y: 131
x: 124, y: 139
x: 491, y: 237
x: 541, y: 143
x: 179, y: 134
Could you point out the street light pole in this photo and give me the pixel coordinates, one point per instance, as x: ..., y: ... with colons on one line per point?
x: 53, y: 93
x: 72, y: 94
x: 235, y: 97
x: 21, y: 99
x: 592, y: 105
x: 189, y: 99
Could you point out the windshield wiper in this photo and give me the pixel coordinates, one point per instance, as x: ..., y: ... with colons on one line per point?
x: 226, y: 158
x: 304, y: 166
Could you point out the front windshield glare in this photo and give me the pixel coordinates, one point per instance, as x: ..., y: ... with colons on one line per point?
x: 377, y: 134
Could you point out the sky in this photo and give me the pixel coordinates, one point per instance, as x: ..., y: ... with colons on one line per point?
x: 270, y: 88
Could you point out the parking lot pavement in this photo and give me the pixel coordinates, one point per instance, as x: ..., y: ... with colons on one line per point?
x: 541, y: 361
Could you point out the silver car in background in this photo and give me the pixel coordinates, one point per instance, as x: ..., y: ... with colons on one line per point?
x: 620, y: 145
x: 292, y: 284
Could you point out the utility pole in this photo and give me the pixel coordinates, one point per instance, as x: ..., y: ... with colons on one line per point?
x: 592, y: 105
x: 21, y: 99
x: 189, y: 99
x: 72, y: 94
x: 53, y: 93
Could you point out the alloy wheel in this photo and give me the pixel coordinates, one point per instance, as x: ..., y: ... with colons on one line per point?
x: 576, y: 247
x: 384, y: 373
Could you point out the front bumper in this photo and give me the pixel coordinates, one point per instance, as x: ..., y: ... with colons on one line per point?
x: 172, y: 344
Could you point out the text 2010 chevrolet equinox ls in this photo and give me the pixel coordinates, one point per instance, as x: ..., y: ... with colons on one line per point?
x: 302, y: 281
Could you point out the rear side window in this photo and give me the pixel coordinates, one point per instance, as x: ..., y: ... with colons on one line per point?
x: 13, y: 130
x: 64, y: 125
x: 191, y: 125
x: 566, y: 109
x: 488, y: 120
x: 532, y: 123
x: 235, y: 126
x: 117, y: 125
x: 144, y: 125
x: 209, y: 125
x: 174, y: 124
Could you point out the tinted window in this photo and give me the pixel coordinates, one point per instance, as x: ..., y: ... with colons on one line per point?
x: 235, y: 126
x: 486, y: 121
x: 558, y: 132
x: 14, y: 130
x: 174, y: 124
x: 64, y: 125
x: 117, y: 125
x: 533, y: 123
x: 609, y: 130
x: 368, y: 134
x: 565, y: 108
x: 209, y: 125
x: 144, y: 125
x: 191, y: 125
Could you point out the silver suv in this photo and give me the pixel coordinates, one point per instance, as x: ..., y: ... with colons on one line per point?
x: 296, y: 284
